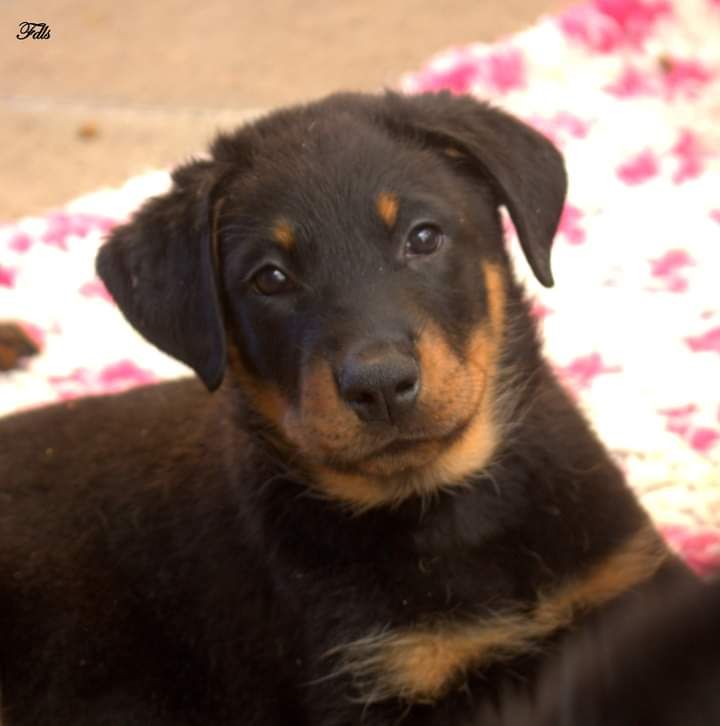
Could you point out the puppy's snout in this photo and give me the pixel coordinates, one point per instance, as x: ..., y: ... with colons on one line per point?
x: 381, y: 383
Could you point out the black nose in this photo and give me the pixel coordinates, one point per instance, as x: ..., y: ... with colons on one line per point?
x: 380, y: 383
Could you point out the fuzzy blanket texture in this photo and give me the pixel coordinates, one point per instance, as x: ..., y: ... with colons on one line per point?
x: 630, y: 91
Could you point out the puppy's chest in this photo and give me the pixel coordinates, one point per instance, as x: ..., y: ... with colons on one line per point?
x: 421, y: 624
x: 408, y: 619
x: 419, y: 628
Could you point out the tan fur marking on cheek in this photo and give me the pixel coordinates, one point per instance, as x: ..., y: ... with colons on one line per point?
x: 283, y: 234
x: 271, y: 404
x: 448, y: 388
x: 387, y: 206
x: 435, y: 359
x: 477, y: 444
x: 421, y: 664
x: 323, y: 424
x: 496, y: 297
x: 472, y: 451
x: 264, y: 398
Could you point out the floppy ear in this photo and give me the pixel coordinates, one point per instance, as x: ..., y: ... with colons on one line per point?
x: 159, y: 268
x: 525, y: 169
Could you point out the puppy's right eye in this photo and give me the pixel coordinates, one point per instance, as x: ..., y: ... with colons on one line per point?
x: 424, y: 239
x: 272, y: 280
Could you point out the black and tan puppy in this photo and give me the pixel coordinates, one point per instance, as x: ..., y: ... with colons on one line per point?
x: 388, y: 510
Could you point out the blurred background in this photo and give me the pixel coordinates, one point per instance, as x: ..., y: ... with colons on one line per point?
x: 121, y: 88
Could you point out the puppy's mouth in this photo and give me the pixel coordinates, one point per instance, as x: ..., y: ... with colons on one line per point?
x: 402, y: 444
x: 399, y: 452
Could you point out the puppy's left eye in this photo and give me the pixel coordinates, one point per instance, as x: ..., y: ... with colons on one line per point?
x: 424, y: 240
x: 271, y: 280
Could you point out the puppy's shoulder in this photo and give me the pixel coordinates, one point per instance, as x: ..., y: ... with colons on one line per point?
x: 80, y: 439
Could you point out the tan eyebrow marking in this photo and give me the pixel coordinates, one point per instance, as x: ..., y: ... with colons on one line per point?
x: 387, y: 206
x: 283, y: 234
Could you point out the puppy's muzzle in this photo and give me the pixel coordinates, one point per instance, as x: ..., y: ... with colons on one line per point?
x: 380, y: 381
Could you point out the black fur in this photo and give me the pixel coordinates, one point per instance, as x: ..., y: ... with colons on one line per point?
x: 654, y: 661
x: 172, y: 557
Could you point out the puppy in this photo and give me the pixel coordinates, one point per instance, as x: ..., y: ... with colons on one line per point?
x: 388, y: 508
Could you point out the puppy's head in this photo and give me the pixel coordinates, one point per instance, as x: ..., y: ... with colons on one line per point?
x: 343, y: 263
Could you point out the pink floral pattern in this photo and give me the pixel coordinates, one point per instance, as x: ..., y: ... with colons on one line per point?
x: 570, y: 225
x: 707, y: 342
x: 690, y: 156
x: 581, y: 372
x: 685, y: 77
x: 700, y: 547
x: 639, y: 169
x: 113, y: 378
x: 669, y: 271
x: 48, y: 284
x: 605, y: 26
x: 630, y: 91
x: 7, y: 276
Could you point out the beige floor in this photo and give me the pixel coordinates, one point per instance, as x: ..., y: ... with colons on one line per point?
x: 122, y: 87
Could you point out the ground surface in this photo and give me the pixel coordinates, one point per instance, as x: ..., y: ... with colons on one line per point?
x: 120, y: 88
